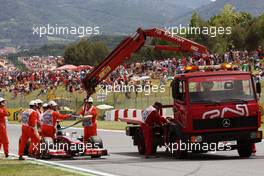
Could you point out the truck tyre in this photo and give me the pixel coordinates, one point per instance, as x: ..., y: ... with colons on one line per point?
x: 46, y: 144
x: 154, y: 149
x: 174, y: 143
x: 139, y: 140
x: 244, y: 150
x: 179, y: 154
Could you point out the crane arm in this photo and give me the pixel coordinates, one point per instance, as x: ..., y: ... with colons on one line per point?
x: 131, y: 45
x: 183, y: 44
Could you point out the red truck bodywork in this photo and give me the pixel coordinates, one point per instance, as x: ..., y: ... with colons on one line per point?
x: 231, y: 113
x: 187, y: 112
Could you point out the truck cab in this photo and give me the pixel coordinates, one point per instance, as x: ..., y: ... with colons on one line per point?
x: 214, y: 109
x: 217, y: 106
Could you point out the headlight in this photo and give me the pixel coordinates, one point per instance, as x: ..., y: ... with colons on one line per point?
x: 196, y: 139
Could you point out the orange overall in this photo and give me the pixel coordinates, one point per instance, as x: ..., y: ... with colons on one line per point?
x: 48, y: 122
x: 3, y: 133
x: 39, y: 120
x: 29, y: 121
x: 89, y: 124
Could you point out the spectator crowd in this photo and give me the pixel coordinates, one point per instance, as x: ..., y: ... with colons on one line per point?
x: 44, y: 76
x: 37, y: 63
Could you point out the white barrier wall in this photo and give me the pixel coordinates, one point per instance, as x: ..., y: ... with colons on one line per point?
x: 117, y: 114
x: 130, y: 114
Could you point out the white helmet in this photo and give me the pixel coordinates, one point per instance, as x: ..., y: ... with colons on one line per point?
x: 90, y: 100
x: 45, y: 105
x: 2, y: 99
x: 32, y: 103
x: 39, y: 101
x: 52, y: 103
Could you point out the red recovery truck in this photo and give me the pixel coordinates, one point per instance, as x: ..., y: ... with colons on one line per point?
x: 213, y: 109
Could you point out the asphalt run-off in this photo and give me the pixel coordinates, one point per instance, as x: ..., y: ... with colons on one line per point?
x: 124, y: 159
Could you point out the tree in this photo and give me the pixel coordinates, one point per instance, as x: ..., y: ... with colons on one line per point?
x: 85, y: 52
x: 247, y: 32
x: 195, y: 20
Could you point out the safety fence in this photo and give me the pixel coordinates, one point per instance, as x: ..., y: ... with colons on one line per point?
x: 72, y: 101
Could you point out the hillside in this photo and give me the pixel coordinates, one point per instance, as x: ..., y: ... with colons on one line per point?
x: 254, y: 7
x: 17, y: 17
x: 114, y: 17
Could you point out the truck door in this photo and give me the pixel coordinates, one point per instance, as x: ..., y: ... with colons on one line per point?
x: 179, y: 96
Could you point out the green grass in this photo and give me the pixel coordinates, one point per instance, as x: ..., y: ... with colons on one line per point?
x: 20, y: 101
x: 108, y: 125
x: 25, y: 168
x: 75, y: 100
x: 112, y: 125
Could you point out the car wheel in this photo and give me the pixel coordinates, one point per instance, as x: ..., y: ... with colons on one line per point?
x: 96, y: 142
x: 46, y: 144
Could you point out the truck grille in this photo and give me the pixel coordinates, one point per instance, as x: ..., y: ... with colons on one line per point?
x: 225, y: 123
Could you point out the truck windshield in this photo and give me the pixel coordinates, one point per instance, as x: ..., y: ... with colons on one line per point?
x: 217, y: 89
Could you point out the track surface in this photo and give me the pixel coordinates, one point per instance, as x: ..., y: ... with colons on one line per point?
x: 124, y: 159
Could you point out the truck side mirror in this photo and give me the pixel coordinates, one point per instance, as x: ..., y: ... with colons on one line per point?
x: 258, y: 87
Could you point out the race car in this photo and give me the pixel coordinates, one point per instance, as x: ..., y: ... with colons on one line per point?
x: 69, y: 145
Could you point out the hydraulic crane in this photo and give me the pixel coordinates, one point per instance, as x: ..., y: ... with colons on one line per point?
x: 132, y: 44
x: 227, y: 113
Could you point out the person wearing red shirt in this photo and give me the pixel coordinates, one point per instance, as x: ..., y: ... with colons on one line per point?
x: 29, y: 130
x: 49, y: 120
x: 3, y: 134
x: 184, y: 61
x: 89, y: 122
x: 150, y: 118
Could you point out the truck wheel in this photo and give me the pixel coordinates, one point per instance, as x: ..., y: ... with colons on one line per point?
x: 244, y: 150
x: 139, y: 140
x: 174, y: 139
x: 154, y: 149
x: 46, y: 144
x: 178, y: 153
